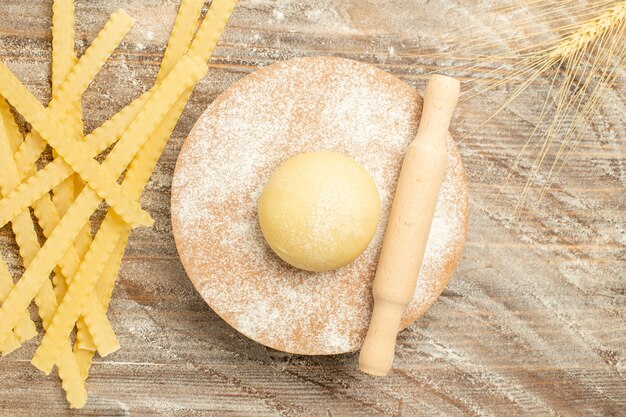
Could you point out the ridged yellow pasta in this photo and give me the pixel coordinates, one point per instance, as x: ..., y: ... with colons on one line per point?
x: 83, y: 339
x: 28, y: 243
x: 83, y: 358
x: 74, y: 153
x: 71, y: 90
x: 100, y: 329
x: 180, y: 39
x: 187, y: 72
x: 95, y: 309
x: 141, y: 130
x: 26, y: 239
x: 11, y: 344
x: 12, y: 131
x: 63, y: 60
x: 211, y: 29
x: 181, y: 36
x: 110, y: 131
x: 63, y: 56
x: 141, y: 168
x: 25, y: 328
x: 106, y: 282
x: 69, y: 371
x: 73, y: 87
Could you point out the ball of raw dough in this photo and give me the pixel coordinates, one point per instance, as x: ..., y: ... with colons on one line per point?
x: 319, y: 210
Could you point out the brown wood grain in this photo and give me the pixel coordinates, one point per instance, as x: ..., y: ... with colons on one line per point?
x: 532, y: 324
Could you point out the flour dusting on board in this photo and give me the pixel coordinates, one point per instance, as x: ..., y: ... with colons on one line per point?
x: 302, y: 105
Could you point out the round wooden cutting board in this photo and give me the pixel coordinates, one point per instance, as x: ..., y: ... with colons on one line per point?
x: 302, y: 105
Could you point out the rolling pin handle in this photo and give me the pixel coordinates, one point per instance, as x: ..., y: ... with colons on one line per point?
x: 440, y: 98
x: 384, y: 327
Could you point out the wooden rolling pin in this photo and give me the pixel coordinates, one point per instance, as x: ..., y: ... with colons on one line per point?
x: 411, y: 215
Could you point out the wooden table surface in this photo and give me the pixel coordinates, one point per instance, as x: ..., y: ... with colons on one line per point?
x: 532, y: 324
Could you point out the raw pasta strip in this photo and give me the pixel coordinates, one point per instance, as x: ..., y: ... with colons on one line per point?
x: 211, y: 29
x: 6, y: 284
x: 27, y: 243
x: 181, y: 36
x: 71, y: 377
x: 77, y: 81
x: 74, y: 153
x: 63, y: 60
x: 84, y: 358
x: 94, y: 313
x: 26, y: 239
x: 100, y: 329
x: 46, y: 213
x: 70, y: 92
x: 11, y: 344
x: 25, y: 328
x: 141, y: 168
x: 52, y: 220
x: 84, y: 347
x: 60, y: 239
x: 101, y: 138
x: 187, y: 72
x: 98, y: 324
x: 14, y: 136
x: 83, y: 241
x: 29, y: 246
x: 63, y: 56
x: 56, y: 171
x: 180, y: 39
x: 109, y: 342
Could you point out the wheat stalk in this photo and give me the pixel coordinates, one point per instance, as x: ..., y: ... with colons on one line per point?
x: 590, y: 31
x: 580, y: 65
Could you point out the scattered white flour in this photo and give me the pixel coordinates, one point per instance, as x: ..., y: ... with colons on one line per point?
x: 278, y: 15
x: 291, y: 107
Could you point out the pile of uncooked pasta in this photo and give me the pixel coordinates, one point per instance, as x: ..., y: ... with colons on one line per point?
x: 71, y: 276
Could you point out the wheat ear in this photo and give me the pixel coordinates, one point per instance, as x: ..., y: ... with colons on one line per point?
x: 590, y: 31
